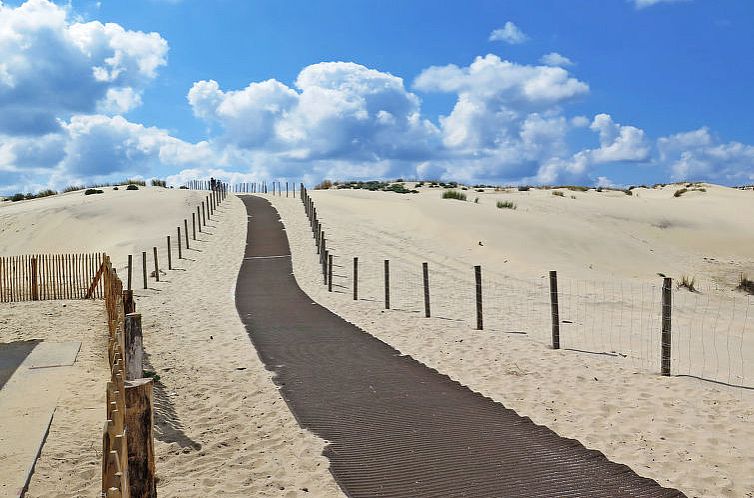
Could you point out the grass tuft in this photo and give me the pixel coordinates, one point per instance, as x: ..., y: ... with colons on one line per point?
x: 687, y: 283
x: 746, y: 285
x: 558, y: 193
x: 454, y: 194
x: 506, y: 205
x: 158, y: 183
x: 132, y: 187
x: 91, y: 191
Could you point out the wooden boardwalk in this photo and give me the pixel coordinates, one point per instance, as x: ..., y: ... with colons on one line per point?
x: 397, y: 428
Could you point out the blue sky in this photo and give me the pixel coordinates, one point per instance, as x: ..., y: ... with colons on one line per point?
x: 579, y: 91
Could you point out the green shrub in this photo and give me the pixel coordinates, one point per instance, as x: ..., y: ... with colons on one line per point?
x: 680, y: 192
x: 523, y: 188
x: 183, y: 187
x: 17, y: 197
x: 454, y: 194
x: 115, y: 188
x: 505, y: 205
x: 91, y: 191
x: 132, y: 187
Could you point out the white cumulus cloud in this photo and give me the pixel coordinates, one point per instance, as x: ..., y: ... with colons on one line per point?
x: 555, y: 59
x: 698, y: 155
x: 52, y: 67
x: 509, y: 33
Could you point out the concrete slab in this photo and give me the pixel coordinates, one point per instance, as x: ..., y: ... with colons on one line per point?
x: 27, y: 405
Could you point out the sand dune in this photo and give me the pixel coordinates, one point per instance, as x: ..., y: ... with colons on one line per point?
x: 696, y: 436
x: 222, y: 428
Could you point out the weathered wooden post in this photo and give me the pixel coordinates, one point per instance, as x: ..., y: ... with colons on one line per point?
x: 355, y: 279
x: 156, y: 266
x: 129, y: 305
x: 425, y: 271
x: 34, y: 278
x: 198, y: 219
x: 325, y: 254
x: 478, y: 280
x: 329, y: 273
x: 286, y: 189
x: 185, y: 230
x: 139, y: 425
x: 130, y: 266
x: 144, y: 267
x: 193, y: 226
x: 554, y: 311
x: 387, y: 284
x: 170, y: 255
x: 134, y: 346
x: 667, y: 310
x: 180, y: 255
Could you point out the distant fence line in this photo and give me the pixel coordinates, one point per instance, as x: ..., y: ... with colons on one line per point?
x: 657, y: 327
x: 37, y: 277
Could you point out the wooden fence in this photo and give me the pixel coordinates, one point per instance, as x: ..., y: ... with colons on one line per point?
x: 128, y: 467
x: 35, y: 277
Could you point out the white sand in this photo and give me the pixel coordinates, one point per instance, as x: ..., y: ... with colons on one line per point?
x: 693, y: 435
x: 222, y: 427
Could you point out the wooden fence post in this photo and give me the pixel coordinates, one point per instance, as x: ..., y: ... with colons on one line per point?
x: 554, y: 311
x: 185, y: 229
x: 329, y: 273
x: 130, y: 267
x: 180, y: 255
x: 425, y: 271
x: 204, y: 218
x: 34, y: 283
x: 667, y: 310
x: 324, y: 265
x: 144, y: 267
x: 129, y: 305
x: 139, y: 425
x: 387, y: 284
x: 134, y: 347
x: 156, y: 266
x: 478, y: 278
x: 170, y: 255
x: 193, y: 226
x: 198, y: 219
x: 355, y: 279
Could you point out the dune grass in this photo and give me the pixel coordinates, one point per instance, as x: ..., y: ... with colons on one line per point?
x: 746, y: 285
x: 158, y: 183
x: 687, y: 283
x: 454, y: 194
x: 506, y: 205
x: 558, y: 193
